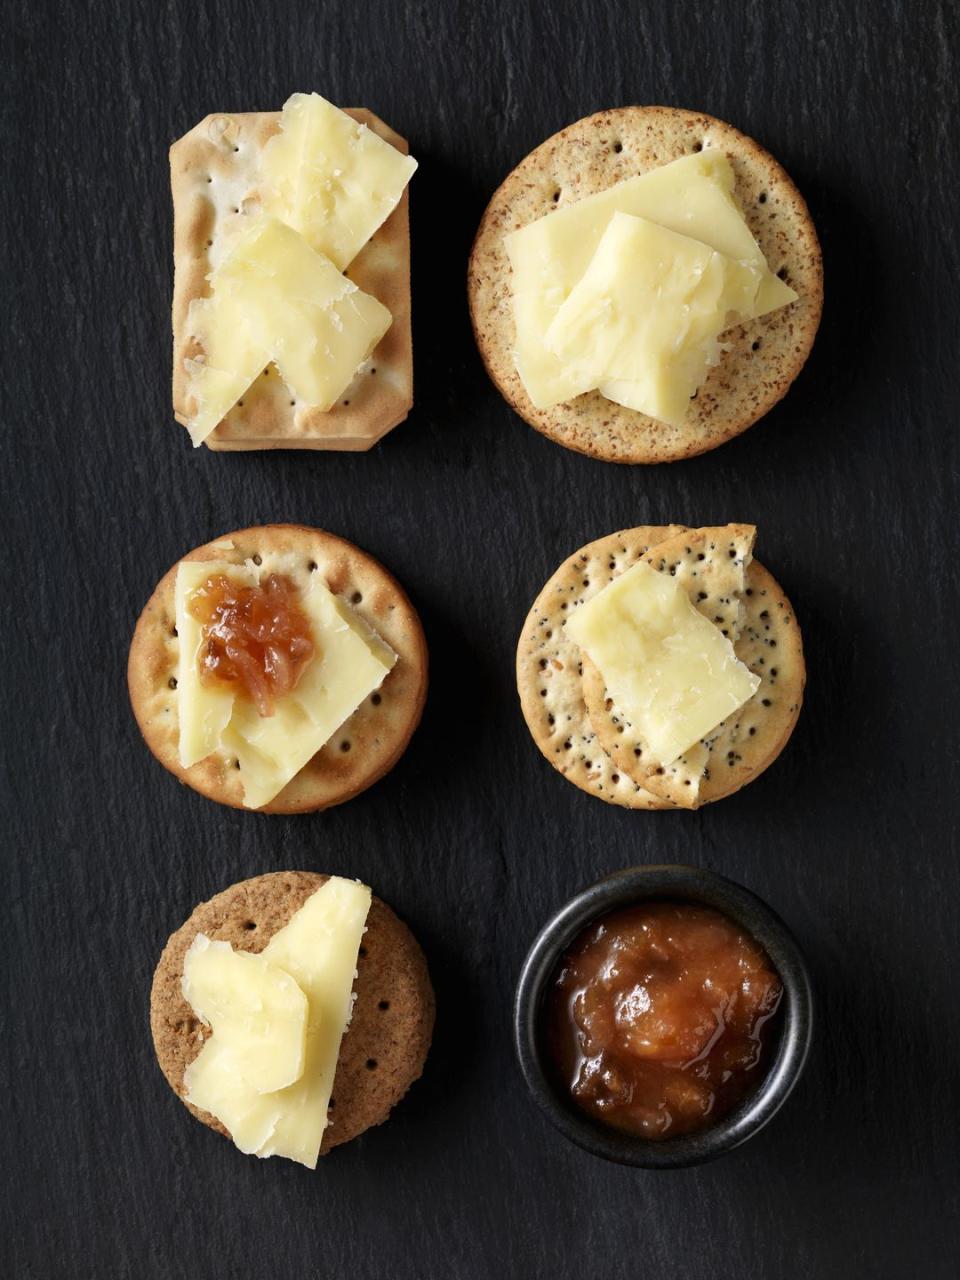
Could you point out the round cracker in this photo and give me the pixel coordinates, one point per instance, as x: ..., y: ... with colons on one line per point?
x: 765, y: 355
x: 549, y: 671
x: 365, y: 747
x: 393, y: 1015
x: 748, y: 743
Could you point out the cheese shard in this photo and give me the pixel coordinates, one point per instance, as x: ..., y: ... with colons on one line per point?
x: 232, y: 360
x: 350, y: 662
x: 671, y: 672
x: 203, y: 710
x: 643, y: 321
x: 318, y: 948
x: 692, y: 196
x: 255, y: 1009
x: 274, y: 299
x: 330, y: 178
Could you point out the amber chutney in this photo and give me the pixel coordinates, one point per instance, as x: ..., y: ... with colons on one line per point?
x: 661, y: 1017
x: 256, y: 640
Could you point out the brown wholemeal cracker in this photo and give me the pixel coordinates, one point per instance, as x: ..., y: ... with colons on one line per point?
x: 549, y: 670
x: 768, y: 642
x: 365, y: 747
x: 765, y: 355
x: 214, y: 177
x: 386, y: 1044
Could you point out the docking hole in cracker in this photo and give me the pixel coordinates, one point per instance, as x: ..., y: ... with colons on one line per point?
x: 278, y: 669
x: 309, y: 1009
x: 624, y: 275
x: 662, y: 668
x: 291, y: 310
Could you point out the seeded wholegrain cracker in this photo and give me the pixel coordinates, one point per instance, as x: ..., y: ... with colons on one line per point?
x: 386, y: 1044
x: 366, y: 746
x: 215, y: 179
x: 765, y: 355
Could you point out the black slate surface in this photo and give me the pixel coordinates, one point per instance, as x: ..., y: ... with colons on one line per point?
x: 474, y: 839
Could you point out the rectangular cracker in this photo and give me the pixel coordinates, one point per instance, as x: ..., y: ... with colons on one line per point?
x: 214, y: 175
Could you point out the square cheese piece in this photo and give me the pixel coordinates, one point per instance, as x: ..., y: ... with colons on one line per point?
x: 330, y: 178
x: 318, y: 949
x: 692, y: 196
x: 350, y: 662
x: 275, y: 299
x: 644, y: 318
x: 671, y: 672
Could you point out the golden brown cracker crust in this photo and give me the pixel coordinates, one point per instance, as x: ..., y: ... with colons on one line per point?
x: 393, y: 1016
x: 766, y: 355
x: 549, y: 675
x: 746, y: 744
x: 214, y: 177
x: 375, y: 735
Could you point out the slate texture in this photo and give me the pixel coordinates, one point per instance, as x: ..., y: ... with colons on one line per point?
x: 474, y: 839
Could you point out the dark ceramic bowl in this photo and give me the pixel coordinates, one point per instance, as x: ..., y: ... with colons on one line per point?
x: 689, y: 884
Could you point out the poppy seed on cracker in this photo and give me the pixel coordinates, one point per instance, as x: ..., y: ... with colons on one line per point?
x: 564, y: 699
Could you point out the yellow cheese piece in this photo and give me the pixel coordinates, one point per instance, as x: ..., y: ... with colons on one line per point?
x: 203, y: 711
x: 349, y: 663
x: 254, y: 1008
x: 232, y: 359
x: 274, y: 299
x: 318, y: 948
x: 692, y: 196
x: 332, y: 179
x: 642, y: 322
x: 667, y: 667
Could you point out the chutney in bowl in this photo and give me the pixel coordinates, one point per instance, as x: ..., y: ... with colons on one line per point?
x: 663, y: 1016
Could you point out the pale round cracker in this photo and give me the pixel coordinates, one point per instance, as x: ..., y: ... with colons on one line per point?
x: 392, y: 1021
x: 365, y: 747
x: 765, y: 356
x: 747, y: 743
x: 710, y: 564
x: 549, y: 674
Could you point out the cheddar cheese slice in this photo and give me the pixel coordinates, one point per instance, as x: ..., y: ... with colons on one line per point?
x: 692, y: 196
x: 643, y: 321
x: 255, y: 1009
x: 671, y: 672
x: 275, y: 299
x: 318, y: 948
x: 330, y: 178
x: 349, y: 663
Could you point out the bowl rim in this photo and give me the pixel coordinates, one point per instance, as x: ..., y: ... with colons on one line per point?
x: 682, y: 883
